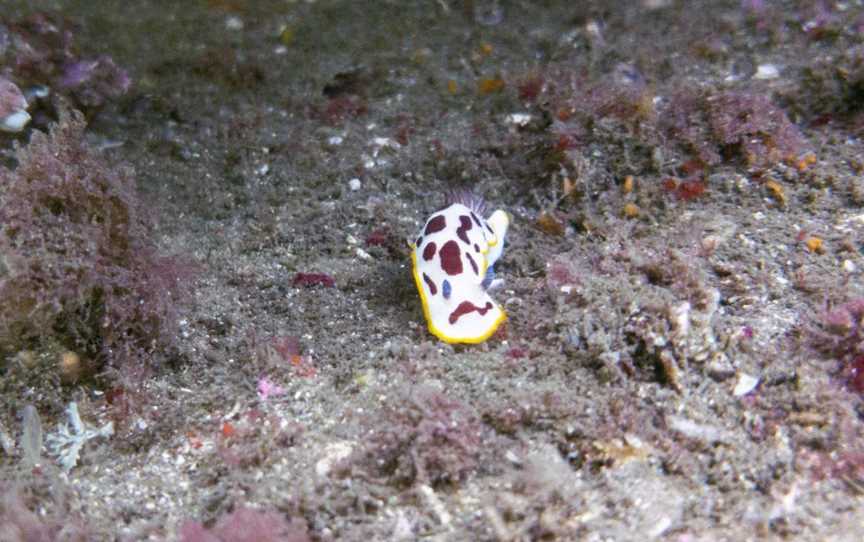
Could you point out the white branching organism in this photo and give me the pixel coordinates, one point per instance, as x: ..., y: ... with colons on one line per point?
x: 70, y: 437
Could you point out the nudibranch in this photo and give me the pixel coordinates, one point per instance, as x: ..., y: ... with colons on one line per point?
x: 452, y: 260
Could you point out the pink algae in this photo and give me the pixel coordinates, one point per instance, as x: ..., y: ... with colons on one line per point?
x: 313, y: 279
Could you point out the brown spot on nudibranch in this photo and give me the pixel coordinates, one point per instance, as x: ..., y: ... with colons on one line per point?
x: 473, y: 264
x: 429, y: 251
x: 475, y: 219
x: 430, y: 283
x: 467, y: 307
x: 451, y: 261
x: 462, y: 230
x: 435, y: 224
x: 476, y: 248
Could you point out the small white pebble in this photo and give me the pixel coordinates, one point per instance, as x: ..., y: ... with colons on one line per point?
x: 233, y: 23
x: 679, y: 318
x: 592, y: 28
x: 381, y: 142
x: 37, y: 91
x: 354, y: 184
x: 436, y: 505
x: 263, y: 169
x: 513, y: 457
x: 848, y: 266
x: 15, y: 122
x: 745, y: 384
x: 633, y: 441
x: 331, y: 454
x: 518, y: 119
x: 767, y: 71
x: 696, y: 431
x: 660, y: 527
x: 363, y: 255
x: 335, y: 140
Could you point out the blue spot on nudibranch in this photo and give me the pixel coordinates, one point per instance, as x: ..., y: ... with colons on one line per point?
x: 490, y: 276
x: 446, y: 289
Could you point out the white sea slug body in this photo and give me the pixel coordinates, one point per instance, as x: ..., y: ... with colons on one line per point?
x: 452, y: 260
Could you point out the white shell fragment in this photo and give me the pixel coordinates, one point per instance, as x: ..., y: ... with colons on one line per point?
x: 453, y: 259
x: 519, y: 119
x: 15, y: 122
x: 745, y: 384
x: 697, y: 431
x: 13, y: 107
x: 766, y: 71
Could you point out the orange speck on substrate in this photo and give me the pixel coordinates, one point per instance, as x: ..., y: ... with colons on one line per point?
x: 228, y: 430
x: 452, y: 87
x: 670, y: 184
x: 685, y: 190
x: 627, y: 186
x: 486, y: 49
x: 490, y: 85
x: 805, y: 161
x: 564, y: 113
x: 631, y: 210
x: 194, y: 441
x: 692, y: 166
x: 814, y: 244
x: 550, y: 224
x: 565, y: 142
x: 776, y: 191
x: 689, y: 190
x: 530, y: 89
